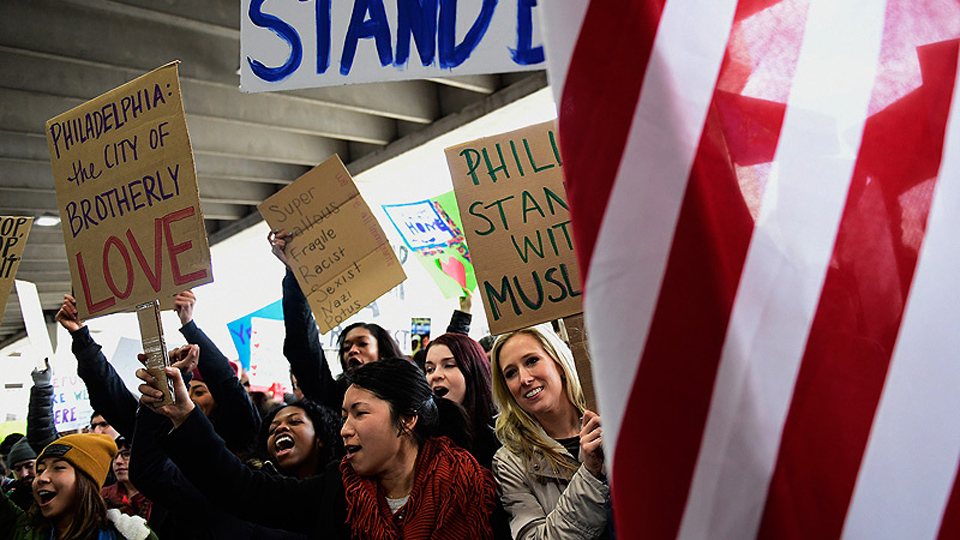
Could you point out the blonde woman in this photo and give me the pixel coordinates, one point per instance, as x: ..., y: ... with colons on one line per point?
x: 550, y: 467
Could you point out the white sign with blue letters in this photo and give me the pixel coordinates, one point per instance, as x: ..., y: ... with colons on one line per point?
x: 288, y: 44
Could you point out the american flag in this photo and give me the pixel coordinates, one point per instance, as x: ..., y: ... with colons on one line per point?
x: 766, y: 201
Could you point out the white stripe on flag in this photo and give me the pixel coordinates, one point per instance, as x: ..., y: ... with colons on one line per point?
x: 785, y: 268
x: 624, y: 278
x: 560, y: 21
x: 911, y: 459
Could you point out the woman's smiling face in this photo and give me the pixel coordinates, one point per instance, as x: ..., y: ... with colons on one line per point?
x: 55, y: 489
x: 532, y: 375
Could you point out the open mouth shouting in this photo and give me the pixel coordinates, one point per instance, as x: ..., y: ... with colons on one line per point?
x: 351, y: 450
x: 45, y: 497
x: 440, y: 391
x: 284, y: 443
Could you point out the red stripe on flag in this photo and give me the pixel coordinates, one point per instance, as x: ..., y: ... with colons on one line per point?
x: 599, y: 97
x: 950, y: 526
x: 861, y: 306
x: 666, y: 413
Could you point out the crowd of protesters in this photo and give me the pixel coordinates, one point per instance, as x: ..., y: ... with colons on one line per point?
x: 487, y: 440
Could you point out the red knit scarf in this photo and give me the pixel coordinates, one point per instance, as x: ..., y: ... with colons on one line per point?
x: 452, y: 498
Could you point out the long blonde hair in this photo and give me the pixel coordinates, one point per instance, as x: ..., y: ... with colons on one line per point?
x: 518, y: 429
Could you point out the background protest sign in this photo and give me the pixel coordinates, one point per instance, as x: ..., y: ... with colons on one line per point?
x: 13, y: 237
x: 71, y: 401
x: 241, y: 330
x: 339, y: 253
x: 514, y: 208
x: 432, y: 230
x: 127, y: 193
x: 269, y: 370
x: 288, y: 45
x: 34, y: 322
x: 419, y: 334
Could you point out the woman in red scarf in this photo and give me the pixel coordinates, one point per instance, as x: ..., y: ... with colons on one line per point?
x: 400, y: 477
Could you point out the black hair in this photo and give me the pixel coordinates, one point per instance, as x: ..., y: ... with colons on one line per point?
x: 8, y: 443
x: 326, y: 424
x: 386, y: 346
x: 487, y: 342
x: 420, y: 359
x: 121, y: 442
x: 402, y: 385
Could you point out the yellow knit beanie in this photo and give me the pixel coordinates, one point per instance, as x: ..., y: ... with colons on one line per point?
x: 92, y: 453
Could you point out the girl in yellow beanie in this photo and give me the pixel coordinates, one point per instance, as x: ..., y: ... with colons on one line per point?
x: 67, y: 502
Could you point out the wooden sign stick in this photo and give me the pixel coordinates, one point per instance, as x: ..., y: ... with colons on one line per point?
x: 573, y: 331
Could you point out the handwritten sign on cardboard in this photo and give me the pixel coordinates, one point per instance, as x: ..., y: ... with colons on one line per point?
x: 515, y: 215
x: 127, y: 193
x: 339, y: 253
x: 13, y: 237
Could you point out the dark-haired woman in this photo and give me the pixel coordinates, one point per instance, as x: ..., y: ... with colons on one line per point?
x: 361, y: 343
x: 400, y: 477
x: 301, y: 438
x: 67, y: 503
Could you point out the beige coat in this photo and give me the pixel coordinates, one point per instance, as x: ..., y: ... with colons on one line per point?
x: 543, y: 505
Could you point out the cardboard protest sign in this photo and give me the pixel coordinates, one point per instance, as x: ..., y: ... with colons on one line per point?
x: 432, y: 230
x: 13, y: 237
x: 127, y: 192
x: 286, y: 45
x: 515, y: 214
x: 339, y: 253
